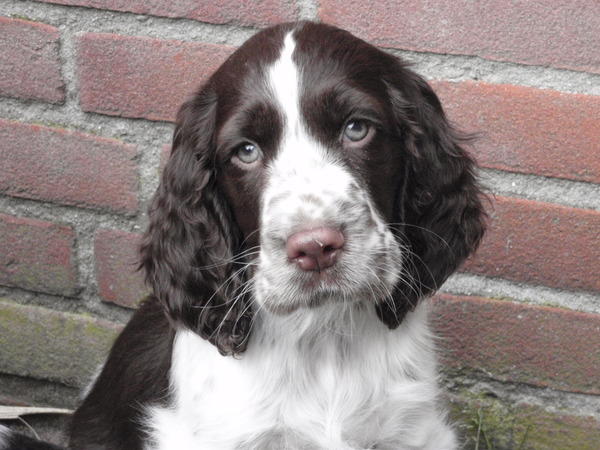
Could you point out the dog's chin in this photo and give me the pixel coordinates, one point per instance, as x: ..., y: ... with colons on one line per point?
x: 285, y: 306
x: 297, y: 298
x: 284, y: 292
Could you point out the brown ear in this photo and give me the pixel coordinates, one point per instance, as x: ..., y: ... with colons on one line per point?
x: 440, y: 200
x: 189, y: 249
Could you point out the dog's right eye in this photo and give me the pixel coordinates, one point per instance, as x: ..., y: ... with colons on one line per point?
x: 356, y: 130
x: 248, y: 153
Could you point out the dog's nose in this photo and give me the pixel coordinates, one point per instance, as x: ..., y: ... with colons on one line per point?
x: 315, y: 249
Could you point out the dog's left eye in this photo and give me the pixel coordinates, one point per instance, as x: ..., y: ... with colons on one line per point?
x: 248, y: 153
x: 356, y: 130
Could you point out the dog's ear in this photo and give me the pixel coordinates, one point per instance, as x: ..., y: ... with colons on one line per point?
x: 439, y: 202
x: 189, y: 249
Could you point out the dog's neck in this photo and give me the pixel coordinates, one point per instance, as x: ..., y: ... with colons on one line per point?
x: 309, y: 327
x: 347, y: 335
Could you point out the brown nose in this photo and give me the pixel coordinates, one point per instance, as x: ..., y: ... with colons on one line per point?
x: 315, y: 249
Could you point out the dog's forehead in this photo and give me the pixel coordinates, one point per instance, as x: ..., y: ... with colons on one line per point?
x: 321, y: 52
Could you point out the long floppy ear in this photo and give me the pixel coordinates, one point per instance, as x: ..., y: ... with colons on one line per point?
x: 439, y: 202
x: 189, y: 249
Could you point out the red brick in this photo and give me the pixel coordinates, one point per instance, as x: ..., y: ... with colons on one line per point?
x: 116, y: 263
x: 248, y: 12
x: 30, y: 61
x: 37, y: 256
x: 562, y: 33
x: 142, y: 77
x: 508, y: 341
x: 66, y: 167
x: 529, y: 130
x: 540, y: 243
x: 50, y: 345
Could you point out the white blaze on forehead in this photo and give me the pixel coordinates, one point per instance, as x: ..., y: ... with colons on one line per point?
x: 284, y: 81
x: 301, y: 160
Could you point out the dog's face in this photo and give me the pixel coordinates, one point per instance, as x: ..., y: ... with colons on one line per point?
x: 303, y: 157
x: 311, y: 168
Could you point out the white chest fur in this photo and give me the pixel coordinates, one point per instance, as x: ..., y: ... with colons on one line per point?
x: 328, y: 378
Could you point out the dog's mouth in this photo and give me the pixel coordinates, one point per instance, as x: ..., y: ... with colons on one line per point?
x: 315, y: 288
x: 318, y: 280
x: 312, y: 300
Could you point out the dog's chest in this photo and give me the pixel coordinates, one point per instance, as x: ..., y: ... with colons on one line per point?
x: 337, y: 392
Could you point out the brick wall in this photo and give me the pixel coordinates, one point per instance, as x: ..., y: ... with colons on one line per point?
x: 88, y: 92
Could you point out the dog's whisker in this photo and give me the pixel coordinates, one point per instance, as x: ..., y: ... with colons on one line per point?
x: 240, y: 257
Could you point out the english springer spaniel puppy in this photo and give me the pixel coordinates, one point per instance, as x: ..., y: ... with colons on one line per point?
x: 315, y: 195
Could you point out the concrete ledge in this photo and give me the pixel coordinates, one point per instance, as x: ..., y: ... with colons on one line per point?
x: 44, y: 344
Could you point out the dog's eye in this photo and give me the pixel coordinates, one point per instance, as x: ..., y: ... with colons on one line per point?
x: 248, y: 153
x: 356, y: 130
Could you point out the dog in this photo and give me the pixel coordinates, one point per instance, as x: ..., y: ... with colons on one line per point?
x: 315, y: 195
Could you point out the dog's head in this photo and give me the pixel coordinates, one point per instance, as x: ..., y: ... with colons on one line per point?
x: 311, y: 168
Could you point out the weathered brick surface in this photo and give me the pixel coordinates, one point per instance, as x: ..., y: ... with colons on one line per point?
x: 247, y: 12
x: 563, y: 33
x: 116, y: 263
x: 50, y: 345
x: 142, y: 77
x: 508, y: 341
x: 30, y: 61
x: 482, y: 418
x: 37, y: 256
x: 543, y: 430
x: 528, y: 130
x: 540, y: 243
x: 66, y: 167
